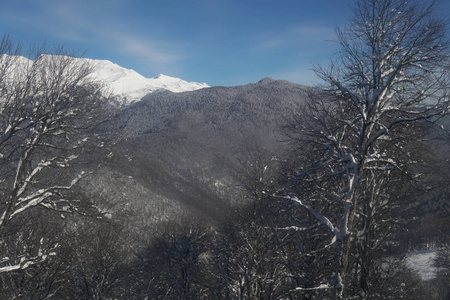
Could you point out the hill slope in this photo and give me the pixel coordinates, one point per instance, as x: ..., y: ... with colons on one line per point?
x: 179, y: 151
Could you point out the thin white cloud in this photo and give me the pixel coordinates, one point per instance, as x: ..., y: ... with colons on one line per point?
x: 146, y: 50
x: 304, y: 38
x: 76, y: 21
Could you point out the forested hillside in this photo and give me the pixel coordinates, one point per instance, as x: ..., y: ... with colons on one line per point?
x: 188, y: 148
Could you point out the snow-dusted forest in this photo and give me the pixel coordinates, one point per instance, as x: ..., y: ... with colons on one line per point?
x: 271, y: 190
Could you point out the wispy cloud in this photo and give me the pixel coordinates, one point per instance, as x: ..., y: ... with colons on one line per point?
x: 124, y: 39
x: 101, y: 23
x: 303, y: 38
x: 147, y: 50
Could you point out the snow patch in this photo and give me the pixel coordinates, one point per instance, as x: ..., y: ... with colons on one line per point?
x: 422, y: 262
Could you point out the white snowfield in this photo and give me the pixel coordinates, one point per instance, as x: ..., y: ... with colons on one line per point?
x: 422, y: 262
x: 125, y: 86
x: 128, y: 86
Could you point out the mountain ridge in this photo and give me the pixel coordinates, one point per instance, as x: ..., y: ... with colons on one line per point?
x: 180, y: 152
x: 124, y: 86
x: 127, y: 86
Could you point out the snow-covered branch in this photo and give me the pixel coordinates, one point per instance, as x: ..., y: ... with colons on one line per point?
x: 322, y: 286
x: 26, y: 261
x: 322, y: 219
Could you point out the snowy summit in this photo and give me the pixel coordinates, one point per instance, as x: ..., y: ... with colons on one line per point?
x: 127, y: 86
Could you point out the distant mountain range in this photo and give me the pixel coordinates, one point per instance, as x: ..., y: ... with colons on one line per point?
x: 125, y: 86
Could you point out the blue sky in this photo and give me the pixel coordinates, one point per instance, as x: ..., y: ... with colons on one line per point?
x: 220, y: 42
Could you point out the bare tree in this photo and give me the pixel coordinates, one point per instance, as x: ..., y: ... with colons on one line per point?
x: 172, y: 265
x: 392, y: 72
x: 48, y: 106
x: 98, y: 258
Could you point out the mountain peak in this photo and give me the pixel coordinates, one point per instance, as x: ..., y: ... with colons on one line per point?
x: 160, y: 76
x: 266, y: 80
x: 128, y: 86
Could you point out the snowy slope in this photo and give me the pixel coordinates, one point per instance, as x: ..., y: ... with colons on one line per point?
x: 127, y: 86
x: 422, y: 263
x: 16, y: 66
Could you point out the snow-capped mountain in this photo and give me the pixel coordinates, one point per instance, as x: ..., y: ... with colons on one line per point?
x: 124, y: 86
x: 127, y: 86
